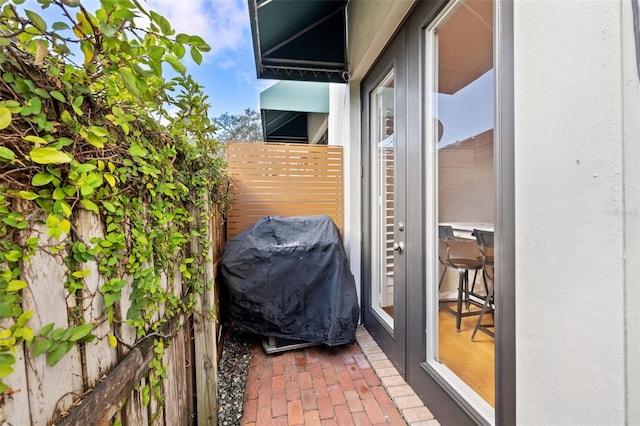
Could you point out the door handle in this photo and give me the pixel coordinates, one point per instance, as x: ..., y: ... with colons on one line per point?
x: 399, y: 247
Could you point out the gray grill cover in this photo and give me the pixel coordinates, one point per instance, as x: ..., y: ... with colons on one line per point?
x: 289, y: 277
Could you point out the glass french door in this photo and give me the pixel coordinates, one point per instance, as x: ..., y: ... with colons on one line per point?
x: 461, y: 195
x: 432, y: 156
x: 383, y: 154
x: 384, y: 195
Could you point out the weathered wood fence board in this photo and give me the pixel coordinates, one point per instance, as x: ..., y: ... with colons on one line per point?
x: 19, y: 402
x: 284, y: 180
x: 176, y: 396
x: 135, y: 413
x: 125, y: 333
x: 50, y: 391
x: 103, y: 403
x: 100, y: 355
x: 95, y: 381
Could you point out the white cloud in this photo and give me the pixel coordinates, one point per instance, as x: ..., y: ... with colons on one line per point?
x: 262, y: 85
x: 248, y: 78
x: 223, y: 24
x: 227, y: 64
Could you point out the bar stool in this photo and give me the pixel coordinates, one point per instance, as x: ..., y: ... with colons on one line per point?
x: 463, y: 265
x: 485, y: 244
x: 488, y: 260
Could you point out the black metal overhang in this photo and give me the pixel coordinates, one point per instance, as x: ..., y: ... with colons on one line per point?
x: 285, y: 126
x: 302, y: 40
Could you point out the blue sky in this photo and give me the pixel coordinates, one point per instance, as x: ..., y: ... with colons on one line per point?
x: 228, y: 71
x: 468, y: 112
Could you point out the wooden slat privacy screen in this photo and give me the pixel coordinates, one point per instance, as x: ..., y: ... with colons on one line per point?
x: 276, y: 179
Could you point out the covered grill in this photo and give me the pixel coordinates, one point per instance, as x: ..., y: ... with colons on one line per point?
x: 289, y: 277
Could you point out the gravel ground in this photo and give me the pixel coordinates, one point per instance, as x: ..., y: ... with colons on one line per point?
x: 232, y: 376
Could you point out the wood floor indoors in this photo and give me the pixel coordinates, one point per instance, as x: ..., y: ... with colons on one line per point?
x: 389, y: 310
x: 473, y: 361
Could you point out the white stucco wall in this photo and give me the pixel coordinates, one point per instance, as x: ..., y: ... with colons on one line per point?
x: 570, y: 221
x: 631, y: 129
x: 371, y: 23
x: 370, y: 26
x: 340, y: 134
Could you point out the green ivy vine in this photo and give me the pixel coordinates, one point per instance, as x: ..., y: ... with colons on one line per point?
x: 99, y: 113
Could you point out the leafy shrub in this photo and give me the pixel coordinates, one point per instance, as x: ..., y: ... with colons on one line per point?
x: 99, y: 113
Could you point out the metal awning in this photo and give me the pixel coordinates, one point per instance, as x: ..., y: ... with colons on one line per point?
x: 301, y: 40
x: 285, y: 107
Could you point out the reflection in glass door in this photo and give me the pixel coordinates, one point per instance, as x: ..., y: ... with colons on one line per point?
x: 382, y: 196
x: 462, y: 194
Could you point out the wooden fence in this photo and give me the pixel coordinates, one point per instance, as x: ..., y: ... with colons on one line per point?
x: 97, y: 384
x: 276, y: 179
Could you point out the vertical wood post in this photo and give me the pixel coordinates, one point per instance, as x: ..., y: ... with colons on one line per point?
x: 205, y: 339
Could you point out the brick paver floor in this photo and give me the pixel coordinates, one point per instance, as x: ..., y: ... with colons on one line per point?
x: 321, y: 385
